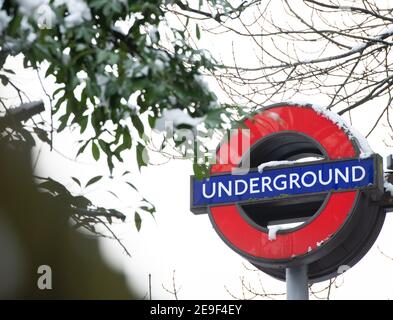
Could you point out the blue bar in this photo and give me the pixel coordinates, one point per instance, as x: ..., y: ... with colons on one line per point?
x: 294, y: 180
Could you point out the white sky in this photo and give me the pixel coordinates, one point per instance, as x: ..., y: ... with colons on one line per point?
x: 177, y: 239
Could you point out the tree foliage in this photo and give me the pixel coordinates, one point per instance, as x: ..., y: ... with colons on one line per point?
x: 108, y: 76
x: 117, y: 66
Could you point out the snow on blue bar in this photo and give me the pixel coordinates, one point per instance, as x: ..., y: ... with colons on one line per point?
x: 294, y: 180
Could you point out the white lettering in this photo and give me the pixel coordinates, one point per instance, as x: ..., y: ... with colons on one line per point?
x: 237, y: 188
x: 283, y: 182
x: 354, y: 178
x: 320, y: 177
x: 293, y: 179
x: 254, y: 185
x: 213, y: 193
x: 227, y: 189
x: 338, y: 173
x: 266, y: 181
x: 314, y: 179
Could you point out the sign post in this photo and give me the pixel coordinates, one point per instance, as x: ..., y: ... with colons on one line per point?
x: 297, y: 283
x: 308, y: 202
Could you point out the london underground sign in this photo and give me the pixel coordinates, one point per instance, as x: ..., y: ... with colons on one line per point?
x: 325, y: 213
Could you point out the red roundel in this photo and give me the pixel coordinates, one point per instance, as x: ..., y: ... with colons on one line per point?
x: 254, y: 242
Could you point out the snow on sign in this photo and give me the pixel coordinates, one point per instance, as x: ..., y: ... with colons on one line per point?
x: 303, y: 191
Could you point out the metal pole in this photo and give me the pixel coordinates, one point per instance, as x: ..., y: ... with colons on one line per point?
x: 297, y: 283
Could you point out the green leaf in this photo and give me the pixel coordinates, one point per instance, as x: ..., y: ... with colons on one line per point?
x: 81, y: 149
x: 197, y: 31
x: 152, y: 121
x: 141, y: 156
x: 93, y: 180
x: 127, y: 143
x: 76, y: 180
x: 126, y: 138
x: 109, y: 218
x: 138, y: 221
x: 151, y: 210
x: 119, y: 215
x: 200, y: 170
x: 8, y: 71
x: 4, y: 79
x: 132, y: 186
x: 81, y: 202
x: 110, y: 163
x: 113, y: 194
x: 104, y: 146
x: 117, y: 135
x: 63, y: 122
x: 213, y: 119
x: 3, y: 57
x: 59, y: 102
x: 136, y: 121
x: 50, y: 71
x: 42, y: 134
x: 83, y: 123
x: 95, y: 151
